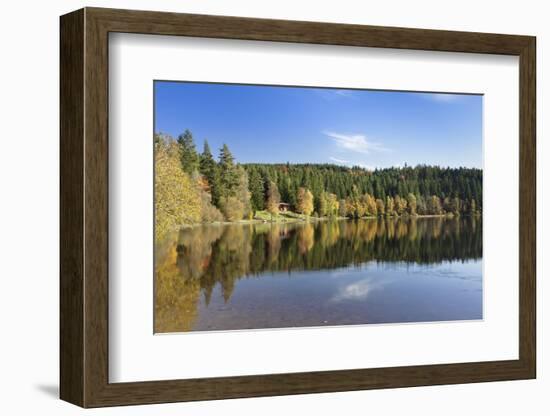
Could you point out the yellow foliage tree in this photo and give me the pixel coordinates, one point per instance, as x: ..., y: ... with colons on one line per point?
x: 177, y: 197
x: 305, y: 201
x: 411, y: 202
x: 332, y: 205
x: 273, y: 198
x: 371, y: 205
x: 380, y: 208
x: 232, y: 208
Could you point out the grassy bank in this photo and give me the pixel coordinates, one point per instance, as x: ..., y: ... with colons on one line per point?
x: 289, y: 217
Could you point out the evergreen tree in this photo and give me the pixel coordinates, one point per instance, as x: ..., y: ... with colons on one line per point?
x: 229, y: 177
x: 209, y: 169
x: 256, y: 187
x: 188, y: 153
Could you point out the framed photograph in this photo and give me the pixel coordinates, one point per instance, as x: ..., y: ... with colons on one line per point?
x: 255, y: 207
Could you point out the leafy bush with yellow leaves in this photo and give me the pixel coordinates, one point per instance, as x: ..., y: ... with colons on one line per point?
x: 177, y: 198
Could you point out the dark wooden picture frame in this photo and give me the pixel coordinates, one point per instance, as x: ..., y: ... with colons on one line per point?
x: 84, y: 207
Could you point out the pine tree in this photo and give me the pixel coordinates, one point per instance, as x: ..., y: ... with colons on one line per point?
x: 188, y: 153
x: 229, y: 177
x: 209, y: 169
x: 256, y: 188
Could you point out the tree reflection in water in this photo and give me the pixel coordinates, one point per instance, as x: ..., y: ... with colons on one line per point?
x: 193, y: 262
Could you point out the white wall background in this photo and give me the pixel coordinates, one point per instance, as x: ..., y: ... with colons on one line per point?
x: 29, y: 79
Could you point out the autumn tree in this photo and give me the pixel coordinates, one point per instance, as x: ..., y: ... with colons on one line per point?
x: 342, y: 211
x: 322, y: 205
x: 434, y: 205
x: 209, y: 213
x: 232, y: 208
x: 177, y: 198
x: 455, y: 206
x: 371, y: 205
x: 304, y: 203
x: 332, y: 204
x: 400, y: 205
x: 242, y: 193
x: 273, y: 198
x: 350, y: 208
x: 472, y: 207
x: 360, y: 206
x: 411, y: 202
x: 389, y: 206
x: 380, y: 208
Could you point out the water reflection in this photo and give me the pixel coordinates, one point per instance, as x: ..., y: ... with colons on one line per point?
x: 273, y: 275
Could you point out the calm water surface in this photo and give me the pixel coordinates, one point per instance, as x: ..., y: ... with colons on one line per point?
x: 224, y: 277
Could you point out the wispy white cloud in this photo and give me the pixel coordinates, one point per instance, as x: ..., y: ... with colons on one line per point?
x: 334, y: 94
x: 442, y: 97
x: 367, y: 167
x: 344, y: 93
x: 341, y: 161
x: 356, y: 143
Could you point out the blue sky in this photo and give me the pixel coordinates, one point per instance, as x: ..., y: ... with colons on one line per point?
x: 372, y: 129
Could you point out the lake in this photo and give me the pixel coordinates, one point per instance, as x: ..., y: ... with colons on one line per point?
x: 322, y: 273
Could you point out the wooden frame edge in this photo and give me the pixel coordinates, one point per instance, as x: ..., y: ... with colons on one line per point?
x: 528, y: 207
x: 84, y: 207
x: 72, y: 368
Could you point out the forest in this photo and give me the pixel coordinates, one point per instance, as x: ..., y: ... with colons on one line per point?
x: 193, y: 187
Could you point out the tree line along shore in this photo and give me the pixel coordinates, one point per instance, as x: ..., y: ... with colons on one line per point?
x: 196, y: 188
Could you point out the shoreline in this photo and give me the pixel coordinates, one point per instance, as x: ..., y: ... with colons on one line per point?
x: 317, y: 219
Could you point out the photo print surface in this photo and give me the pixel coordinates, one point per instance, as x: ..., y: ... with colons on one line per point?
x: 284, y: 206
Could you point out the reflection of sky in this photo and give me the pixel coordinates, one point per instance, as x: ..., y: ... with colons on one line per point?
x: 374, y: 292
x: 374, y: 276
x: 358, y: 290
